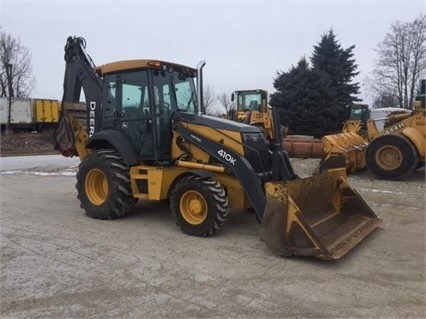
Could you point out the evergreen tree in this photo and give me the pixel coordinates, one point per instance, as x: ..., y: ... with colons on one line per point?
x: 301, y: 93
x: 313, y: 101
x: 296, y: 95
x: 338, y: 66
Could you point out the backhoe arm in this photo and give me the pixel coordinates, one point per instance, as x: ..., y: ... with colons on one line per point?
x: 80, y: 73
x: 76, y: 120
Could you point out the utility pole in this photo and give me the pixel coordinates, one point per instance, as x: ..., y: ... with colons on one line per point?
x: 10, y: 87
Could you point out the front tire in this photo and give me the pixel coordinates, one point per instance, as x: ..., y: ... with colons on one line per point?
x: 391, y: 157
x: 103, y: 185
x: 199, y: 206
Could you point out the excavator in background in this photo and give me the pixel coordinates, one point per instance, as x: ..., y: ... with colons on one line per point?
x: 145, y: 136
x: 391, y: 153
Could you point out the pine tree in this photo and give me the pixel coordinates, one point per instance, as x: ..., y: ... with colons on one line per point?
x: 338, y: 65
x: 298, y: 92
x: 313, y: 101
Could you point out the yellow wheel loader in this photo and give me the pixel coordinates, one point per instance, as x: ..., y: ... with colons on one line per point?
x: 392, y: 153
x: 146, y: 137
x: 251, y: 107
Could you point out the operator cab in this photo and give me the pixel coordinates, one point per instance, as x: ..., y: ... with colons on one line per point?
x: 250, y: 100
x: 139, y: 99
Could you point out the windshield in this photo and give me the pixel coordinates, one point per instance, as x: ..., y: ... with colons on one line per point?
x: 174, y: 91
x: 356, y: 114
x: 359, y: 112
x: 249, y: 101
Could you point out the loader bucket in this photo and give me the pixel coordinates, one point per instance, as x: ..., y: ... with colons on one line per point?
x: 320, y: 216
x: 343, y: 150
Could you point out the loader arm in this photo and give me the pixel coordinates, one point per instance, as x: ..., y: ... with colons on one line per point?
x: 280, y: 170
x: 238, y: 165
x: 318, y: 216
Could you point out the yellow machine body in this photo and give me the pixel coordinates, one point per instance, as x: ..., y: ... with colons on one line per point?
x: 210, y: 165
x: 319, y: 216
x: 251, y: 107
x: 385, y: 151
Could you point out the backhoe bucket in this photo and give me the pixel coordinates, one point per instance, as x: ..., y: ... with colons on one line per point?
x: 320, y: 216
x: 343, y: 150
x: 71, y: 127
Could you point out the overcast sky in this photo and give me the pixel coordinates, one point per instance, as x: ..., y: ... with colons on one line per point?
x: 244, y: 43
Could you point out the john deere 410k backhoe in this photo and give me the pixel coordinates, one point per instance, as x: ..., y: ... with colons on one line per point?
x: 144, y: 136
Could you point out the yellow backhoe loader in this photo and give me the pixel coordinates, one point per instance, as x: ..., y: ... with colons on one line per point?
x: 392, y: 153
x: 145, y: 136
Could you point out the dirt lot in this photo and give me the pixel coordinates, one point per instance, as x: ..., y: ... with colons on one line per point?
x: 58, y: 263
x: 30, y: 143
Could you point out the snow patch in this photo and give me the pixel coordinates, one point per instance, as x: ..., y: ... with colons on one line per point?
x: 381, y: 191
x: 38, y: 173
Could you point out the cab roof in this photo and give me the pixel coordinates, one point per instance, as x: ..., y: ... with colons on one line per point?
x: 138, y: 64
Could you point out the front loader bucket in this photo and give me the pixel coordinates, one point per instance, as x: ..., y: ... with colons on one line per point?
x: 343, y: 150
x: 320, y: 216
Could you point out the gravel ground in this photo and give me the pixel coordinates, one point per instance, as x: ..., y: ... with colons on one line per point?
x: 58, y: 263
x: 364, y: 180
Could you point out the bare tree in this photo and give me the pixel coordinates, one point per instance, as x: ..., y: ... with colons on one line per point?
x: 209, y: 99
x: 225, y: 101
x: 384, y: 100
x: 401, y: 62
x: 16, y: 79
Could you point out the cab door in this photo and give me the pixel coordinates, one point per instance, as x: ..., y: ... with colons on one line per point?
x: 110, y: 103
x: 136, y: 116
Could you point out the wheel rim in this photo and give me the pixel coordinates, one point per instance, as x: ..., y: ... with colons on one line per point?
x: 389, y: 157
x: 193, y: 207
x: 96, y: 186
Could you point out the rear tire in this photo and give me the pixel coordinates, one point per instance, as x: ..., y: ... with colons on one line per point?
x: 199, y: 206
x: 391, y: 157
x: 103, y: 185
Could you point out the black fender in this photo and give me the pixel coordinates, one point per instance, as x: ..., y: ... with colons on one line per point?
x: 202, y: 174
x: 118, y: 141
x: 196, y: 172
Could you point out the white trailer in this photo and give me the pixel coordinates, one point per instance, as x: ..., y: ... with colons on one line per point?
x: 21, y: 112
x: 4, y: 111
